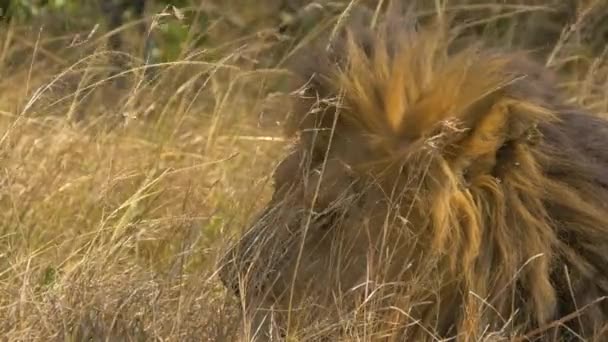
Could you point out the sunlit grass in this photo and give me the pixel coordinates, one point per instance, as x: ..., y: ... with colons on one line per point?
x: 115, y: 203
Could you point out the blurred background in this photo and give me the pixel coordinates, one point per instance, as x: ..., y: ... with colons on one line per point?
x: 136, y: 140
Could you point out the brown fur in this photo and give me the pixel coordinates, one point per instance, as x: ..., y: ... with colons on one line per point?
x: 433, y: 194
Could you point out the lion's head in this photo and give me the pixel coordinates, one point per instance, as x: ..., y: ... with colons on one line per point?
x: 432, y: 192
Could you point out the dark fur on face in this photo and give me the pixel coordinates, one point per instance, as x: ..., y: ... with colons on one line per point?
x: 433, y: 193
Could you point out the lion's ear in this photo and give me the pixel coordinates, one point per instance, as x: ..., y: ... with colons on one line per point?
x: 495, y: 130
x: 487, y: 131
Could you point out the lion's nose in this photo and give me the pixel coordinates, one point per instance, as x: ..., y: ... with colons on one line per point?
x: 252, y: 265
x: 228, y: 273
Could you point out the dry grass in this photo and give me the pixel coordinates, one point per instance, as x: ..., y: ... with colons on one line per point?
x: 111, y: 224
x: 114, y: 204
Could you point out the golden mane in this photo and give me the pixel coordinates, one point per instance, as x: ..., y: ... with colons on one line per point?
x: 505, y: 186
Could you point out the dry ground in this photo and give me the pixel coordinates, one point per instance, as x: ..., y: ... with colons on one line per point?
x: 114, y: 204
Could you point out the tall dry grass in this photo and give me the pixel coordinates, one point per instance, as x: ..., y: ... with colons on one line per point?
x: 115, y: 203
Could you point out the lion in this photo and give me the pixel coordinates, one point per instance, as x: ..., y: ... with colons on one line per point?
x: 433, y: 191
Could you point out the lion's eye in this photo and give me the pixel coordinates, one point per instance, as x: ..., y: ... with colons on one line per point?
x: 287, y: 170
